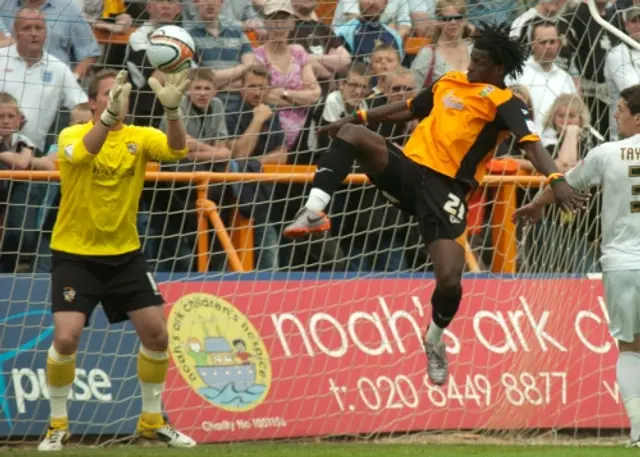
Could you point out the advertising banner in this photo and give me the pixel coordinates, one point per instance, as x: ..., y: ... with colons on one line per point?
x: 289, y: 357
x: 267, y: 359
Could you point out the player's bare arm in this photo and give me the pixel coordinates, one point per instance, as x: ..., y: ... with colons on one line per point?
x: 514, y: 114
x: 17, y: 160
x: 539, y: 157
x: 534, y: 211
x: 393, y: 112
x: 400, y: 112
x: 564, y: 195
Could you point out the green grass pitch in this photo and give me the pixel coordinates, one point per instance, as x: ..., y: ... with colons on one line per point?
x: 343, y: 450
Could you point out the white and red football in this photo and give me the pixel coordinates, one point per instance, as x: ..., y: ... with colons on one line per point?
x: 171, y: 49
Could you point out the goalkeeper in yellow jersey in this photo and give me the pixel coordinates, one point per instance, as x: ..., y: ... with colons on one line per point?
x: 96, y: 256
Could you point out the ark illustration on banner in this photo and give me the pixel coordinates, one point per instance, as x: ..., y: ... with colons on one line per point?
x: 227, y: 371
x: 219, y: 353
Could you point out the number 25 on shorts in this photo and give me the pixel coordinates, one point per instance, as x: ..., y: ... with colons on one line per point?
x: 455, y: 207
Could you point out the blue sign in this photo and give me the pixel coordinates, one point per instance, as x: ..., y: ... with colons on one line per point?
x: 8, y: 355
x: 105, y: 396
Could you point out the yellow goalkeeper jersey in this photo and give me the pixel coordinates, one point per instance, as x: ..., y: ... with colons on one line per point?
x: 101, y: 192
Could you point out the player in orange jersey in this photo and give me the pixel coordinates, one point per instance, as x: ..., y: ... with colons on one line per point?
x: 463, y: 117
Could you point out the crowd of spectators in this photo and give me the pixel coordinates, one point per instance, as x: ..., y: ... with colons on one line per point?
x: 269, y: 73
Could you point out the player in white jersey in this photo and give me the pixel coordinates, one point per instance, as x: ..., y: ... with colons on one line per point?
x: 615, y: 166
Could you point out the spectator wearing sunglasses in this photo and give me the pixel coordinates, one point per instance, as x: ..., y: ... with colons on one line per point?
x: 450, y: 47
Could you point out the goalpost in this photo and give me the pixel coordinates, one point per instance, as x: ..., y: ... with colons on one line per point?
x: 329, y: 342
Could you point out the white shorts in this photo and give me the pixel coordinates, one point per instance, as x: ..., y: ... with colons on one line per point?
x: 622, y: 296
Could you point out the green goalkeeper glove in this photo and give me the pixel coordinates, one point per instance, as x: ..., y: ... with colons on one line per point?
x: 170, y: 95
x: 118, y: 98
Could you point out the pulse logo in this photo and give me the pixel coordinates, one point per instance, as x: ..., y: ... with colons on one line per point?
x: 17, y: 327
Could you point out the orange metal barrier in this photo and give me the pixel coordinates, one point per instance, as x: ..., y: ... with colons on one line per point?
x: 106, y: 37
x: 326, y: 10
x: 413, y: 45
x: 238, y: 244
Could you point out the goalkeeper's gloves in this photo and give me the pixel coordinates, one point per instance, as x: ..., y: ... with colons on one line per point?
x: 118, y: 98
x: 170, y: 95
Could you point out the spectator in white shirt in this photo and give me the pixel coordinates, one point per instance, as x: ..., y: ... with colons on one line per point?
x: 551, y: 11
x: 69, y: 35
x: 622, y: 67
x: 548, y: 10
x: 40, y: 82
x: 398, y: 14
x: 544, y: 79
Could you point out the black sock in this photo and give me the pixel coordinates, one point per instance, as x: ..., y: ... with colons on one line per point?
x: 337, y: 162
x: 445, y: 305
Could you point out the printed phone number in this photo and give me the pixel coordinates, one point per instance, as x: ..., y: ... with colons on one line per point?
x: 518, y: 389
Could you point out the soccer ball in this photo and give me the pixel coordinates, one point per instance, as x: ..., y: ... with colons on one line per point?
x: 171, y: 49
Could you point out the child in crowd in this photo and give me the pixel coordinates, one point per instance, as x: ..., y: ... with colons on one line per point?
x: 16, y: 151
x: 384, y: 61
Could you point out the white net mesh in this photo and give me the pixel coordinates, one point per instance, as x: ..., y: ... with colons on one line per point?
x: 271, y: 338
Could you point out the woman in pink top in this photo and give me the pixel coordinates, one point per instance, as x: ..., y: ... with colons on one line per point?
x: 294, y: 87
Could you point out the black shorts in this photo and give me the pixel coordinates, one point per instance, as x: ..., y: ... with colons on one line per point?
x: 121, y: 283
x: 438, y: 202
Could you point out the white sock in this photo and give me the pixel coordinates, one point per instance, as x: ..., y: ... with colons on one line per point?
x: 628, y: 375
x: 151, y: 397
x: 434, y: 334
x: 58, y: 396
x: 318, y: 200
x: 152, y: 392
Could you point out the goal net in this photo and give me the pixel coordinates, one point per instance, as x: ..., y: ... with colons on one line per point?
x: 271, y: 338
